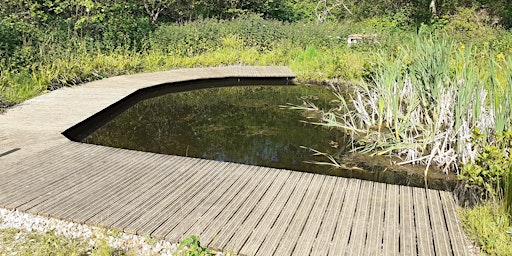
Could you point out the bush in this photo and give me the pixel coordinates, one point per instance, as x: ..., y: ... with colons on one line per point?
x: 489, y: 175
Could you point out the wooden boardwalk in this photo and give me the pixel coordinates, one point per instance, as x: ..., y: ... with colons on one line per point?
x: 244, y: 209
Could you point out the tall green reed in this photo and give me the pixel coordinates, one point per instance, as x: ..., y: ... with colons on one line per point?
x: 424, y: 103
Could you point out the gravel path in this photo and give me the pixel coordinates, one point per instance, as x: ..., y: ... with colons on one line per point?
x: 92, y: 235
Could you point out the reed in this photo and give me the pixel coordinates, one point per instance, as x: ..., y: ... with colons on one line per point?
x: 424, y: 103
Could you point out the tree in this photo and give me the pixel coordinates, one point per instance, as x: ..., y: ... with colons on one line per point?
x: 155, y: 7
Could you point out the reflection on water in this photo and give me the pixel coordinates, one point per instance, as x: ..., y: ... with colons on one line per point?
x: 248, y: 125
x: 243, y: 125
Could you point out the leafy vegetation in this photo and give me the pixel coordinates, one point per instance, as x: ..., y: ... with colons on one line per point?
x: 192, y: 247
x: 20, y: 242
x: 488, y: 225
x: 434, y: 86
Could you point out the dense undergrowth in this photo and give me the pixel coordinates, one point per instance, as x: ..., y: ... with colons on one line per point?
x: 437, y: 94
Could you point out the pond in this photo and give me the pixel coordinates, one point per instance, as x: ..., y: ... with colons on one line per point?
x: 248, y: 125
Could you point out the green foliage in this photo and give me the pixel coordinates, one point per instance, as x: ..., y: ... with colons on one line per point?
x: 423, y: 100
x: 19, y: 242
x: 492, y: 166
x: 191, y: 246
x: 487, y: 226
x: 508, y: 193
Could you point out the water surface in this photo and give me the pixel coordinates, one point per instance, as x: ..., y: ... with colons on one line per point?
x: 246, y: 125
x: 249, y: 125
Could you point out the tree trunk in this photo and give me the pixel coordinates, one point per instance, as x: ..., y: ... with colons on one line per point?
x: 433, y: 9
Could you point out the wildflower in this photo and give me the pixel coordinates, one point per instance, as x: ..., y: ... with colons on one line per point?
x: 462, y: 47
x: 500, y: 56
x: 398, y: 48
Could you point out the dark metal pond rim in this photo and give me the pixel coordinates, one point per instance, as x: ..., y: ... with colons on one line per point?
x: 374, y: 171
x: 86, y: 127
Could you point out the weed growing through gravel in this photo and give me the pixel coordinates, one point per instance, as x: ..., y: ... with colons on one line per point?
x: 20, y: 242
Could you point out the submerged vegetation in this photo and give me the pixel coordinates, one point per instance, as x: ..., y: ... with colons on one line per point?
x: 433, y: 86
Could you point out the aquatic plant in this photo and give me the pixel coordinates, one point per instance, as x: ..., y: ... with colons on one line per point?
x: 425, y: 101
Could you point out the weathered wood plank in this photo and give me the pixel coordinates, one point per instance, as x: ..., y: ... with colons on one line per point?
x: 228, y: 230
x: 103, y: 199
x: 343, y: 227
x: 178, y: 185
x: 168, y: 204
x: 423, y: 230
x: 391, y: 221
x: 272, y: 239
x: 216, y: 218
x: 306, y: 241
x: 94, y: 191
x: 76, y: 179
x: 376, y: 221
x: 30, y: 184
x: 289, y: 239
x: 73, y: 198
x: 357, y: 238
x: 407, y: 228
x: 439, y: 231
x: 330, y: 219
x: 15, y: 171
x: 458, y: 240
x: 213, y: 211
x: 254, y: 241
x: 274, y: 197
x: 171, y: 168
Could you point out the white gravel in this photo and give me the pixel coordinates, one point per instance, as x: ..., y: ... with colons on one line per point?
x: 140, y: 245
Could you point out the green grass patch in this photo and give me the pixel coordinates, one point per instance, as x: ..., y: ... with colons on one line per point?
x: 19, y: 242
x: 488, y: 226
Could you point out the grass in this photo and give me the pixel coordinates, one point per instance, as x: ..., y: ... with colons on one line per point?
x: 314, y: 52
x: 488, y: 226
x: 20, y: 242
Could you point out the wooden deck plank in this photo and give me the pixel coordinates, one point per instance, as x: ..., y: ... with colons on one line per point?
x: 358, y: 235
x: 251, y: 244
x: 272, y: 239
x: 276, y: 194
x: 169, y: 203
x: 391, y: 221
x: 180, y: 208
x: 70, y: 199
x: 439, y: 231
x: 221, y: 211
x: 207, y: 209
x: 343, y: 227
x: 228, y: 230
x: 376, y: 221
x: 407, y: 229
x: 319, y: 212
x: 105, y: 197
x: 425, y: 243
x: 329, y: 221
x: 71, y: 178
x: 136, y: 203
x: 30, y: 182
x: 458, y: 240
x: 61, y: 189
x: 289, y: 239
x: 221, y: 176
x: 13, y: 171
x: 146, y: 201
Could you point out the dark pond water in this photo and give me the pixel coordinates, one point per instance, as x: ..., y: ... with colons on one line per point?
x: 249, y: 125
x: 246, y: 125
